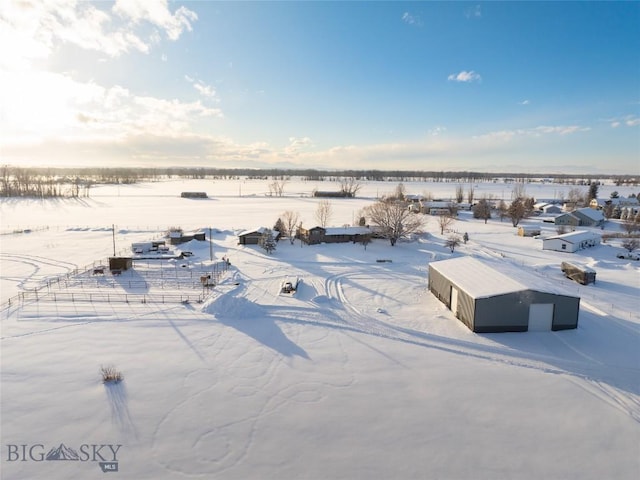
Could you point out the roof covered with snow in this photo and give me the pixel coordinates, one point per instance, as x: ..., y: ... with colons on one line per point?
x: 259, y: 230
x: 574, y: 237
x: 591, y: 213
x: 477, y: 278
x: 347, y: 231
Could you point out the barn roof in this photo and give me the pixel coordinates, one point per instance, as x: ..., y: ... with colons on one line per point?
x: 476, y: 278
x: 483, y: 279
x: 591, y: 213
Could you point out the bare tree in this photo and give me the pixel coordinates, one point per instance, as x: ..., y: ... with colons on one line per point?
x: 517, y: 211
x: 470, y: 194
x: 482, y: 210
x: 459, y: 193
x: 631, y: 225
x: 276, y: 187
x: 502, y: 210
x: 289, y: 223
x: 324, y: 211
x: 350, y: 187
x: 394, y: 219
x: 518, y: 191
x: 444, y: 221
x: 575, y: 199
x: 452, y: 242
x: 400, y: 192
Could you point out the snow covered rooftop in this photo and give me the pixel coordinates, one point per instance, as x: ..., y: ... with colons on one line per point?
x: 347, y: 231
x: 476, y: 278
x: 591, y: 213
x: 575, y: 237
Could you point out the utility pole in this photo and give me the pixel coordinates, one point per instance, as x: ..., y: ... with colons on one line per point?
x: 113, y: 229
x: 210, y: 246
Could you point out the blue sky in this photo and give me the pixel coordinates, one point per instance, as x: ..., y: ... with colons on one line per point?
x: 495, y: 86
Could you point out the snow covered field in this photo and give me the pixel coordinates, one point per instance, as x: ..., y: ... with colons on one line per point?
x: 361, y: 374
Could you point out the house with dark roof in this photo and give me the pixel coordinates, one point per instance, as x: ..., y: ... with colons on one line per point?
x: 316, y: 235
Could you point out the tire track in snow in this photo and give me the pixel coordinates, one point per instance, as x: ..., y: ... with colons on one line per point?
x: 358, y: 321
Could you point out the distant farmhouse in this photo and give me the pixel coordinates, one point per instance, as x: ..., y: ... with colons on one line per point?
x: 252, y: 237
x: 177, y: 236
x: 571, y: 242
x: 547, y: 208
x: 487, y: 300
x: 434, y: 207
x: 600, y: 203
x: 316, y: 235
x: 582, y: 217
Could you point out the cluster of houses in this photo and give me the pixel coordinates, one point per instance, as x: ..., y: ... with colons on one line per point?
x: 314, y: 235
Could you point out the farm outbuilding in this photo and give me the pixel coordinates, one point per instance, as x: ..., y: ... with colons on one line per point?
x: 120, y: 264
x: 582, y: 217
x: 571, y: 242
x: 529, y: 230
x: 194, y: 195
x: 487, y: 300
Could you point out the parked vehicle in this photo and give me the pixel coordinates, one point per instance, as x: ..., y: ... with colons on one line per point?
x: 290, y: 285
x: 628, y: 256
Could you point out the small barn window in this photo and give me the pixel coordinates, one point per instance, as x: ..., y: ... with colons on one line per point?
x: 564, y: 246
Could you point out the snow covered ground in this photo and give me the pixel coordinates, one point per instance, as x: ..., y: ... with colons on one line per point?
x: 361, y: 374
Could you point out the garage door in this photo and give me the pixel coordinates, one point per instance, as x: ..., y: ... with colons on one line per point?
x: 540, y: 317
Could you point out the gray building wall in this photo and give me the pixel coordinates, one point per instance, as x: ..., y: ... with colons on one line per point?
x: 506, y: 312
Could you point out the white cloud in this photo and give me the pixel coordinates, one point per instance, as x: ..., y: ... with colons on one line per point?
x: 69, y: 108
x: 436, y: 131
x: 464, y: 76
x: 411, y: 19
x: 202, y: 88
x: 35, y: 28
x: 632, y: 121
x: 534, y: 132
x: 473, y: 12
x: 627, y: 120
x: 297, y: 145
x: 524, y: 102
x: 157, y: 13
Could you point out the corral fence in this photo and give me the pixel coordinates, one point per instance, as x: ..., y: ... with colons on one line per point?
x: 169, y: 283
x: 111, y: 297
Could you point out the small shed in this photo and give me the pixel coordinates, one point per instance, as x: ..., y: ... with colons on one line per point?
x: 120, y: 264
x: 487, y: 300
x: 571, y: 242
x: 528, y: 230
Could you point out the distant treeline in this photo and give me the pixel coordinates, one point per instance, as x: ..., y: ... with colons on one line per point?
x: 75, y: 182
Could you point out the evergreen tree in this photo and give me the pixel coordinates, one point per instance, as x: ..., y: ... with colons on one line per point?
x: 268, y: 242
